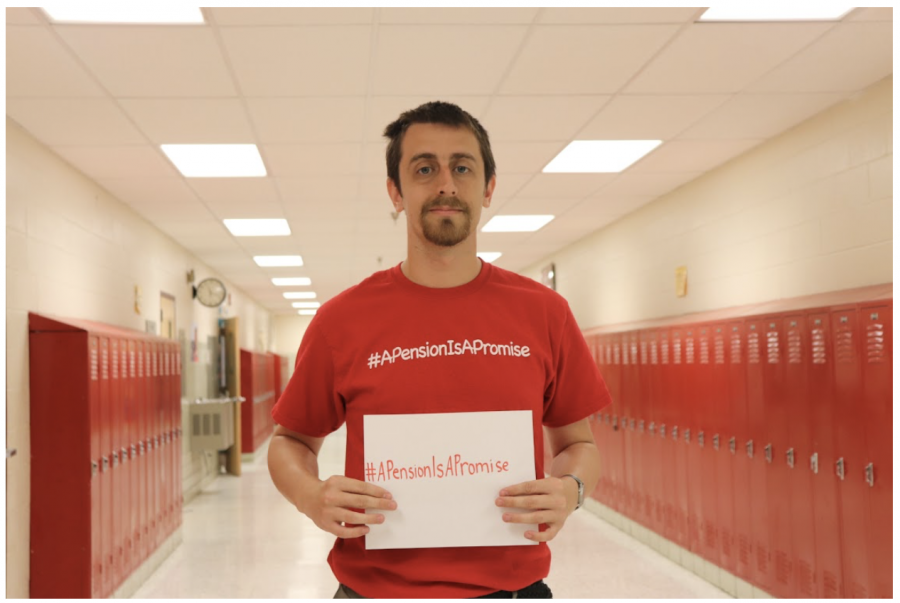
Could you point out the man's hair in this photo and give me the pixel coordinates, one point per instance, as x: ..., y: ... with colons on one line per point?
x: 435, y: 112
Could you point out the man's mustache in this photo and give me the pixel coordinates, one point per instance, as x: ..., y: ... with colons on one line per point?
x: 449, y: 202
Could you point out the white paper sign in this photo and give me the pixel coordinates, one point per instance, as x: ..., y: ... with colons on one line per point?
x: 445, y: 470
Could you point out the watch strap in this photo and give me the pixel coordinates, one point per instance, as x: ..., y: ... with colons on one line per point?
x: 580, y: 490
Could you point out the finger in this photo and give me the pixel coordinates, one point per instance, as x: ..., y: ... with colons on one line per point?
x: 362, y: 501
x: 536, y: 518
x: 355, y: 486
x: 540, y: 486
x: 348, y: 516
x: 348, y: 532
x: 535, y: 501
x: 545, y: 536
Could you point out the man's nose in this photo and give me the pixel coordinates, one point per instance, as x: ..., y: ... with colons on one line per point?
x: 446, y: 183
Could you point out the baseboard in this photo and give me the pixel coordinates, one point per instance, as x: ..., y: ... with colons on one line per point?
x: 140, y: 575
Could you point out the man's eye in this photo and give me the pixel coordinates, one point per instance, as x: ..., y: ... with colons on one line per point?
x: 462, y: 169
x: 424, y: 170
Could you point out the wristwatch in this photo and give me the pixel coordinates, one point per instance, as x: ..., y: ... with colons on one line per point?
x: 580, y: 490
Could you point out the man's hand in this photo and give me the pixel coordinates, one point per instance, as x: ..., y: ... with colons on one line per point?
x: 333, y: 502
x: 547, y: 501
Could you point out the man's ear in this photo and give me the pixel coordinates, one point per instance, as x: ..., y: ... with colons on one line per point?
x: 394, y: 194
x: 489, y: 191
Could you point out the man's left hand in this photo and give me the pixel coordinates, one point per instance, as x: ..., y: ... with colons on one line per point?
x: 546, y: 502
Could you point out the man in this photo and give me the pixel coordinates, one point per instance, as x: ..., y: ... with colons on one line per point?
x: 441, y: 172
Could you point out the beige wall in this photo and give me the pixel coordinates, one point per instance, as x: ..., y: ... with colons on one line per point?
x: 807, y: 212
x: 75, y: 251
x: 287, y: 332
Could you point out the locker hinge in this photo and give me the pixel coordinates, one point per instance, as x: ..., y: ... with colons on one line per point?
x: 716, y: 442
x: 768, y: 450
x: 750, y: 449
x: 839, y: 468
x: 732, y: 445
x: 790, y: 458
x: 870, y: 475
x: 814, y: 462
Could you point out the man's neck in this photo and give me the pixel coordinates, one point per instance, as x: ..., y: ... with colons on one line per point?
x: 441, y: 271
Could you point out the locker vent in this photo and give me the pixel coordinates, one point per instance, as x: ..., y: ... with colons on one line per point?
x: 830, y: 582
x: 616, y: 359
x: 104, y: 363
x: 773, y: 348
x: 94, y: 364
x: 654, y: 353
x: 155, y: 365
x: 783, y: 567
x: 735, y: 348
x: 115, y: 361
x: 689, y: 350
x: 643, y: 352
x: 762, y: 558
x: 753, y: 348
x: 818, y: 346
x: 795, y: 352
x: 704, y: 350
x: 805, y: 579
x: 608, y: 354
x: 624, y: 353
x: 676, y: 351
x: 124, y: 363
x: 875, y: 347
x: 843, y: 345
x: 744, y: 550
x: 140, y: 365
x: 131, y: 364
x: 720, y: 349
x: 634, y: 352
x: 664, y: 350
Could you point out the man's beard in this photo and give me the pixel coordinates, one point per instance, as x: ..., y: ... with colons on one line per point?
x: 444, y: 231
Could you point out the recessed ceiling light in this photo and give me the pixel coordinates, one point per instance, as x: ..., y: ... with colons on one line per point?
x: 516, y: 223
x: 306, y: 304
x: 787, y: 11
x: 306, y: 312
x: 278, y: 260
x: 489, y: 256
x: 258, y: 228
x: 216, y: 160
x: 300, y: 295
x: 299, y: 281
x: 123, y: 13
x: 599, y: 156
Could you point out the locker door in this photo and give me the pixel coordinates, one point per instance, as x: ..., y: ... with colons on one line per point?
x: 679, y: 417
x: 755, y: 452
x: 822, y: 457
x: 118, y: 484
x: 248, y: 406
x: 705, y: 424
x: 877, y: 327
x: 736, y: 439
x: 165, y: 449
x: 143, y: 452
x: 663, y: 429
x: 155, y: 469
x: 799, y: 410
x: 133, y: 460
x: 778, y: 486
x: 851, y: 451
x: 597, y: 424
x: 650, y: 378
x: 179, y: 441
x: 106, y: 483
x: 97, y: 493
x: 720, y: 488
x: 631, y: 401
x: 693, y: 385
x: 616, y: 441
x: 639, y: 345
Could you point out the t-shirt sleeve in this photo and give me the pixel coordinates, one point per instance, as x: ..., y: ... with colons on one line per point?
x: 576, y: 389
x: 310, y: 403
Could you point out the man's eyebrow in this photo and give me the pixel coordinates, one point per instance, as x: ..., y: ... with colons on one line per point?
x: 433, y: 156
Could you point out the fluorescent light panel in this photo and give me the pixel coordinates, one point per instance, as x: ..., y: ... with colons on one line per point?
x: 306, y: 312
x: 516, y: 223
x: 306, y: 304
x: 798, y: 11
x: 123, y: 13
x: 258, y: 227
x: 599, y: 156
x: 300, y: 295
x: 216, y: 160
x: 298, y: 281
x: 268, y: 261
x: 489, y: 256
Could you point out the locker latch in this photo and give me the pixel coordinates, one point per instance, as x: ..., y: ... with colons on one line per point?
x: 95, y: 466
x: 105, y: 464
x: 790, y: 458
x: 632, y: 425
x: 141, y: 448
x: 870, y: 475
x: 839, y: 468
x: 768, y: 450
x: 687, y: 436
x: 716, y: 442
x: 115, y: 459
x: 814, y: 462
x: 675, y: 432
x: 651, y: 428
x: 133, y: 451
x: 641, y: 426
x: 732, y: 445
x: 123, y: 455
x: 701, y: 439
x: 750, y: 449
x: 662, y: 430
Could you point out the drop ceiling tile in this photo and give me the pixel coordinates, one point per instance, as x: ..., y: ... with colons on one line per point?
x: 449, y: 66
x: 458, y: 16
x: 881, y: 13
x: 610, y: 15
x: 373, y: 189
x: 20, y: 16
x: 312, y: 159
x: 209, y: 231
x: 498, y: 241
x: 290, y: 245
x: 509, y: 184
x: 711, y: 58
x: 848, y: 58
x: 115, y: 162
x: 525, y: 157
x: 583, y: 59
x: 317, y: 60
x: 384, y: 110
x: 151, y: 61
x: 191, y: 121
x: 561, y: 186
x: 292, y: 16
x: 74, y: 121
x: 304, y: 120
x: 235, y: 190
x: 379, y: 208
x: 539, y: 118
x: 637, y: 117
x: 759, y: 115
x: 233, y: 210
x: 631, y: 184
x: 174, y: 212
x: 224, y: 259
x: 148, y: 191
x: 555, y: 206
x: 38, y: 66
x: 312, y: 188
x: 604, y: 208
x: 692, y: 155
x: 374, y: 162
x: 309, y: 211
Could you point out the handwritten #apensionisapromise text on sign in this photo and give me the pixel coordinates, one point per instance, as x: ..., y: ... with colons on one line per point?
x: 445, y: 471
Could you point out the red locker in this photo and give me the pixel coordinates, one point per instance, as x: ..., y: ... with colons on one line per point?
x: 133, y: 461
x: 679, y: 418
x: 851, y: 450
x: 155, y: 469
x: 717, y: 446
x: 778, y: 486
x: 693, y: 384
x: 143, y: 479
x: 179, y: 489
x: 736, y: 442
x: 615, y: 440
x: 664, y: 408
x: 642, y: 453
x: 248, y: 408
x: 705, y: 394
x: 653, y: 394
x: 630, y: 396
x: 876, y: 321
x: 106, y: 483
x: 118, y: 484
x: 165, y: 449
x: 96, y: 501
x: 601, y: 492
x: 799, y: 410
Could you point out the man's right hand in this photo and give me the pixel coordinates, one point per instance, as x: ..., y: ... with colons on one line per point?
x: 333, y: 503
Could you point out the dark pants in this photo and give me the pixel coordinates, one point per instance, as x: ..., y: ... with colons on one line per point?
x: 538, y: 590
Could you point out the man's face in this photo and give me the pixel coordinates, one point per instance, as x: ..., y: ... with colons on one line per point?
x: 442, y: 178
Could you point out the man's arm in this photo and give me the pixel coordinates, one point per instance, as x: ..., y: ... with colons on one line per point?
x: 294, y: 467
x: 575, y: 452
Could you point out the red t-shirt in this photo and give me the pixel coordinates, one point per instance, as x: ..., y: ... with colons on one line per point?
x: 390, y: 346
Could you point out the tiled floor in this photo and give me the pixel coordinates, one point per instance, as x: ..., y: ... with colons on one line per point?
x: 243, y: 540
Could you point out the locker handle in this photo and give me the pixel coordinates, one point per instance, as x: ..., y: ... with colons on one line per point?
x: 750, y: 449
x: 662, y: 430
x: 675, y: 432
x: 768, y: 450
x: 687, y: 436
x: 133, y: 452
x: 732, y: 445
x: 839, y: 468
x: 95, y: 466
x: 814, y: 462
x: 651, y: 428
x: 870, y: 475
x: 716, y: 442
x: 115, y: 459
x: 141, y: 448
x: 701, y: 439
x: 641, y: 426
x: 790, y: 458
x: 105, y: 463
